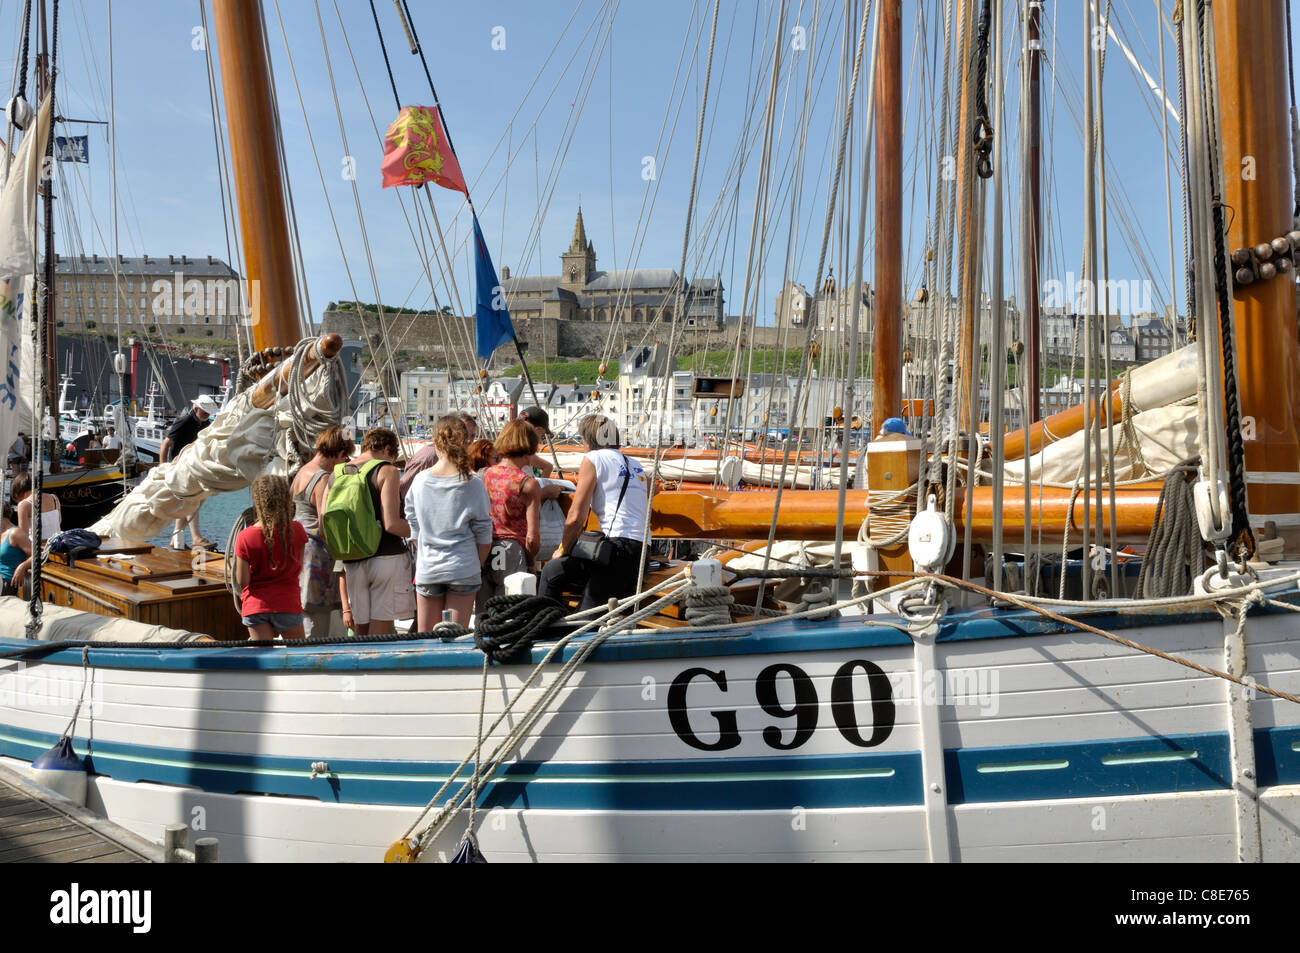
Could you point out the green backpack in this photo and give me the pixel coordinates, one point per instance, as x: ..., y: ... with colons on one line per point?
x: 350, y: 523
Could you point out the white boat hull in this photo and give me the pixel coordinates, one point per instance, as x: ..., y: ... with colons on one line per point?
x: 1047, y: 745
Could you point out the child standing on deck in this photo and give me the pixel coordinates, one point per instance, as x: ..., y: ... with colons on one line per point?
x: 268, y: 561
x: 452, y: 525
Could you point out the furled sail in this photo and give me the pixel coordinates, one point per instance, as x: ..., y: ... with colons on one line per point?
x: 18, y: 204
x: 242, y: 442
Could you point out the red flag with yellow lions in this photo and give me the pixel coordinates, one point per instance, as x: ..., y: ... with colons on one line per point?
x: 416, y: 151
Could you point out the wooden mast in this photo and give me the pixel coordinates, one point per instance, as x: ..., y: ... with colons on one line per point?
x: 968, y: 300
x: 1251, y: 47
x: 250, y: 117
x: 887, y: 334
x: 1033, y: 230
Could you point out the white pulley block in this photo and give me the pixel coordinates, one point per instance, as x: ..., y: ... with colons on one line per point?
x: 1204, y: 494
x: 19, y: 112
x: 732, y: 469
x: 930, y: 539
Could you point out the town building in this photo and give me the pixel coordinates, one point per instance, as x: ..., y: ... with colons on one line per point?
x: 501, y: 401
x: 201, y: 295
x: 582, y: 292
x: 427, y: 395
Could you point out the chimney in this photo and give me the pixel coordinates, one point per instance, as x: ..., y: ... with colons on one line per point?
x: 96, y: 257
x: 505, y: 272
x: 184, y: 260
x: 171, y: 259
x: 121, y: 259
x: 209, y: 259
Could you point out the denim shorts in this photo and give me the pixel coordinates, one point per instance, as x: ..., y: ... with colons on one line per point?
x: 280, y: 621
x: 436, y: 590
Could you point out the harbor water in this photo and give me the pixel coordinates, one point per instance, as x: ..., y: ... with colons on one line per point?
x: 217, y: 517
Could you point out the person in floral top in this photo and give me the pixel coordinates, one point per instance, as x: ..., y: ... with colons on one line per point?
x: 515, y: 499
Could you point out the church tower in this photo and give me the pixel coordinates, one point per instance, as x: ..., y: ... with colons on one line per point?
x: 578, y: 264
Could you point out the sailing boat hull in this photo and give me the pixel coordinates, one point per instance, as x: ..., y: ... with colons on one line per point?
x: 85, y: 495
x: 796, y: 741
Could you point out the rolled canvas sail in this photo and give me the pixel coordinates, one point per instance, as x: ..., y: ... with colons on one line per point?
x: 18, y: 201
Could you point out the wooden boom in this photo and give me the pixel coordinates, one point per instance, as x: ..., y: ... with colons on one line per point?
x: 812, y: 514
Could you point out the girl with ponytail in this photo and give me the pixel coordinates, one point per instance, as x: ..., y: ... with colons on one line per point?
x: 268, y: 561
x: 451, y: 524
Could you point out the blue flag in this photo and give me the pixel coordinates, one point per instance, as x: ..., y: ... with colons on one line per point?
x: 72, y: 148
x: 492, y: 326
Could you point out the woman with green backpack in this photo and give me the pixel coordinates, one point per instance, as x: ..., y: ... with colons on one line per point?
x: 363, y: 526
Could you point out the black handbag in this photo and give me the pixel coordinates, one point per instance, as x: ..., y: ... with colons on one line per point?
x: 593, y: 545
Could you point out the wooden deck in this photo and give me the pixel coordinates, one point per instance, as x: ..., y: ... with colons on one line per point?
x: 180, y: 590
x: 38, y: 827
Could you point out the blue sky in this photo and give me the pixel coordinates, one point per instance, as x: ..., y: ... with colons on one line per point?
x: 624, y: 86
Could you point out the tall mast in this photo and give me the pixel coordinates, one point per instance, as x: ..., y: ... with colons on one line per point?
x: 1033, y: 230
x: 1250, y: 42
x: 46, y: 75
x: 968, y: 301
x: 887, y: 337
x: 251, y: 120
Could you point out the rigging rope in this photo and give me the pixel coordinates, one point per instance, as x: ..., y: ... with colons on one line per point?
x: 1243, y: 539
x: 1175, y: 553
x: 982, y: 134
x: 35, y: 605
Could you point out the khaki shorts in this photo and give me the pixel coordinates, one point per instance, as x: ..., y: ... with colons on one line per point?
x: 380, y: 588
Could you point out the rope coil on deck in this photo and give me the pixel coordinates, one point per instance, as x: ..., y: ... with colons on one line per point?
x: 708, y: 605
x: 510, y: 624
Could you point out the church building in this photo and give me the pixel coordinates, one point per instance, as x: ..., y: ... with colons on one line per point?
x: 582, y: 292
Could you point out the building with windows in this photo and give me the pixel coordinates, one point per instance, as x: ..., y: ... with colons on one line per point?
x: 427, y: 395
x: 198, y: 294
x: 582, y: 292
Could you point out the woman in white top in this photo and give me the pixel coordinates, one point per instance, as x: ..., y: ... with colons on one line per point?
x: 51, y: 516
x: 614, y: 487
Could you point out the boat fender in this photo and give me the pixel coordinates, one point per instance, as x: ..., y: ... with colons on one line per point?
x: 930, y: 539
x: 62, y: 771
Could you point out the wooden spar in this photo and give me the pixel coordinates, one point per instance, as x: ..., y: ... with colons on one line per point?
x: 1251, y: 47
x: 967, y: 220
x: 250, y: 117
x: 1165, y: 380
x: 887, y: 339
x: 812, y: 514
x: 1032, y: 237
x: 276, y: 383
x: 1058, y: 426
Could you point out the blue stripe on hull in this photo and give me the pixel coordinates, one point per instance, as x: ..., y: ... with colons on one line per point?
x: 1141, y: 766
x: 846, y: 634
x: 869, y: 779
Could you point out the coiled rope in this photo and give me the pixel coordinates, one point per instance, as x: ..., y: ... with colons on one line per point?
x: 708, y: 605
x: 510, y: 624
x: 1175, y: 550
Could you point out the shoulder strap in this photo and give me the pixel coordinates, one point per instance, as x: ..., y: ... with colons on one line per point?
x: 627, y: 475
x: 311, y: 484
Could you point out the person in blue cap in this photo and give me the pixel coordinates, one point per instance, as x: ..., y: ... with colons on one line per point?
x: 893, y: 428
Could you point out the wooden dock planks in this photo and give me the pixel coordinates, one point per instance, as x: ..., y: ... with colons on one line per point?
x: 37, y: 827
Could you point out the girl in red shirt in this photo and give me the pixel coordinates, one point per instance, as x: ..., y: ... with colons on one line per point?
x: 268, y: 561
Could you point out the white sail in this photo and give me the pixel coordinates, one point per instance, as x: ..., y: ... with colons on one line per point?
x: 240, y: 444
x: 18, y: 202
